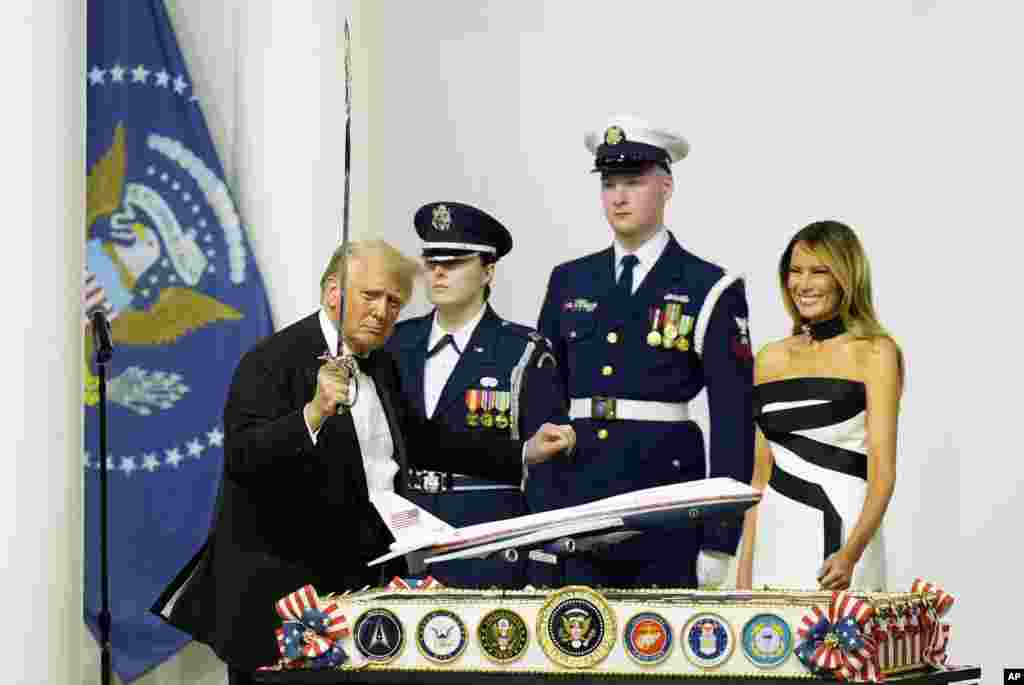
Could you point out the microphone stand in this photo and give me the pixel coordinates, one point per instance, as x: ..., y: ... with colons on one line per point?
x: 104, y: 352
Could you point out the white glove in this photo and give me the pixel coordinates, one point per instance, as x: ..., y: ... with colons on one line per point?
x: 711, y: 568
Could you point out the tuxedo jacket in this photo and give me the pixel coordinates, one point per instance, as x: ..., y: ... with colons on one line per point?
x: 291, y: 513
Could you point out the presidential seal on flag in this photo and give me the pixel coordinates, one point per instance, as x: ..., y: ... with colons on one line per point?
x: 168, y: 261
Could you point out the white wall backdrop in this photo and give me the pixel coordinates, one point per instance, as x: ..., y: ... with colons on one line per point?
x: 901, y: 117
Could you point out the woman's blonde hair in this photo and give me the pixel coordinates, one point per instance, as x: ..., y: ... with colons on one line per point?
x: 837, y: 245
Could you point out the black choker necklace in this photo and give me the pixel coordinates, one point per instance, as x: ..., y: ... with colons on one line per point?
x: 823, y: 330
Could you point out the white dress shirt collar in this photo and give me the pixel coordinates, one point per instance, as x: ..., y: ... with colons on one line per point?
x: 647, y: 254
x: 461, y: 336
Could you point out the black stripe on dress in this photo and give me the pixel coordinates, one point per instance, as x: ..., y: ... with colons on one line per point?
x: 814, y: 496
x: 822, y: 454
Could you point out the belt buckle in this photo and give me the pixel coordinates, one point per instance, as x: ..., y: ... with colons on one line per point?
x: 603, y: 408
x: 431, y: 482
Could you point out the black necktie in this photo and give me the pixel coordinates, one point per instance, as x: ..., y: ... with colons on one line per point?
x: 447, y: 339
x: 625, y: 284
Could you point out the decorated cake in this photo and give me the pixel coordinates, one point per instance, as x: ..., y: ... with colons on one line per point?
x: 423, y: 626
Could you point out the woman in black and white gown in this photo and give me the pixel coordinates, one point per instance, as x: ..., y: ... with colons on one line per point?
x: 826, y: 402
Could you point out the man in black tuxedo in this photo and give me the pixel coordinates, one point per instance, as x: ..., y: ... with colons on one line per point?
x: 294, y: 506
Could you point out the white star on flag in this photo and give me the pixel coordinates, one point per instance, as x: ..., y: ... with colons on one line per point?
x: 150, y: 462
x: 215, y: 437
x: 195, y: 448
x: 86, y: 458
x: 117, y: 73
x: 128, y: 465
x: 139, y: 74
x: 96, y: 76
x: 180, y: 85
x: 173, y: 457
x: 162, y: 78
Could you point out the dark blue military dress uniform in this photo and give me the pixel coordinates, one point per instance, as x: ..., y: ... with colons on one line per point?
x: 512, y: 363
x: 628, y: 400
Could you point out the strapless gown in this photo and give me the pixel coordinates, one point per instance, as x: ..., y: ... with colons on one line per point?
x: 818, y: 436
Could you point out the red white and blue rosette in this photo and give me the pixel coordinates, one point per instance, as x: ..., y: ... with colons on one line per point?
x: 934, y: 632
x: 312, y: 632
x: 835, y: 642
x: 428, y: 583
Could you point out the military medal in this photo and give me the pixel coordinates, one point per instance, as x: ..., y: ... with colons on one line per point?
x: 654, y: 337
x: 487, y: 403
x: 672, y: 312
x: 504, y: 402
x: 473, y: 404
x: 685, y: 326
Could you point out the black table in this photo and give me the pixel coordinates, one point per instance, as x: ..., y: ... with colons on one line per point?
x: 961, y: 674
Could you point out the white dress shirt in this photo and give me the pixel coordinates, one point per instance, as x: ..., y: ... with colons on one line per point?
x: 647, y: 254
x: 371, y: 424
x: 438, y: 368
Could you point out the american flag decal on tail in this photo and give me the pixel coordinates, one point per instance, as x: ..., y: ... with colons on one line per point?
x: 405, y: 519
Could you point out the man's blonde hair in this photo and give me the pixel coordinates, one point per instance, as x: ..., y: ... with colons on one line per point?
x: 394, y: 262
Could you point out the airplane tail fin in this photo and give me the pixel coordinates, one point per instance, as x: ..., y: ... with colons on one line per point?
x: 407, y: 521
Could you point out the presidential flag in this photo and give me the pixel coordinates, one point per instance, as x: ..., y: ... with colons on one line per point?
x: 168, y: 259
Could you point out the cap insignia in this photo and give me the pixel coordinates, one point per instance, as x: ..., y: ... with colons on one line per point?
x: 442, y: 220
x: 614, y: 135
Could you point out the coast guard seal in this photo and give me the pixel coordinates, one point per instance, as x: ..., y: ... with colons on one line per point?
x: 767, y: 641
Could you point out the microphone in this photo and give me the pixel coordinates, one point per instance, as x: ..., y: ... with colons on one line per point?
x: 101, y: 335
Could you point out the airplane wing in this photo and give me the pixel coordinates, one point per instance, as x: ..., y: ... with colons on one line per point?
x: 534, y: 539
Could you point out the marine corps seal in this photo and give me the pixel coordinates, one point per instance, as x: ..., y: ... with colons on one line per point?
x: 647, y: 638
x: 576, y: 627
x: 503, y: 636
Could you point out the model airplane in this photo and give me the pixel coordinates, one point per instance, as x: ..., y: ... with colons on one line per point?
x: 560, y: 532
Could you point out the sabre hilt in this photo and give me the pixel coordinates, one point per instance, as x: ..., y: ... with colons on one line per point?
x: 348, y: 362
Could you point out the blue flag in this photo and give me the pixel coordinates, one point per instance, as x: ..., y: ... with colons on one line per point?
x: 168, y: 259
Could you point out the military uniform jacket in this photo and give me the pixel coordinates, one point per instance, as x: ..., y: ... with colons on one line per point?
x: 600, y: 340
x: 290, y: 512
x: 501, y: 357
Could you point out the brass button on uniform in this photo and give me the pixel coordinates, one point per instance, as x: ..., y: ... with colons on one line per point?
x: 607, y: 370
x: 602, y: 434
x: 613, y: 337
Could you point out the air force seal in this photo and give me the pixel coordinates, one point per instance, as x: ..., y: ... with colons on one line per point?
x: 503, y: 636
x: 707, y: 640
x: 767, y: 641
x: 379, y: 636
x: 441, y: 636
x: 647, y: 638
x: 576, y: 627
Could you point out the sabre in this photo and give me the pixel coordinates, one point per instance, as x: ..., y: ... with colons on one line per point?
x: 346, y: 360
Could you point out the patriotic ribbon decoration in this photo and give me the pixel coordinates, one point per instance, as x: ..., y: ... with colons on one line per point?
x: 428, y: 583
x: 836, y: 643
x: 935, y: 633
x: 311, y: 633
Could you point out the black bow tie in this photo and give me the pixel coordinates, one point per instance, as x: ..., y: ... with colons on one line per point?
x: 446, y: 340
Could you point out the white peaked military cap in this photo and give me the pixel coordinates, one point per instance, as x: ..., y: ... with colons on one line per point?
x: 626, y: 143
